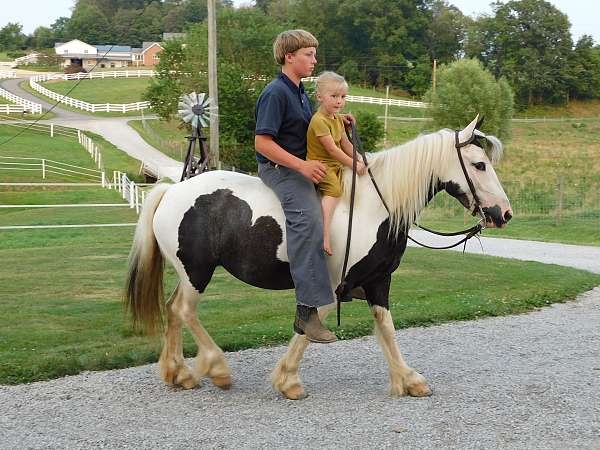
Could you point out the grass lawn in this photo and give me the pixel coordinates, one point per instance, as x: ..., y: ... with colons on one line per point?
x: 25, y: 86
x: 34, y: 144
x: 110, y: 90
x: 163, y: 135
x: 60, y: 308
x: 4, y: 101
x: 4, y: 57
x: 57, y: 195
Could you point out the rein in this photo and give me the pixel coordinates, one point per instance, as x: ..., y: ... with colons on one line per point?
x: 470, y: 232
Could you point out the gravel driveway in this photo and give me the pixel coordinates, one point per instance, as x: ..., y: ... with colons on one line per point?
x: 522, y: 382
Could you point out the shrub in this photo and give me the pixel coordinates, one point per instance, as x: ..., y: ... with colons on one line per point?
x: 465, y: 89
x: 370, y: 130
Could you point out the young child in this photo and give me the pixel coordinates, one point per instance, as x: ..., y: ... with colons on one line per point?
x: 328, y: 143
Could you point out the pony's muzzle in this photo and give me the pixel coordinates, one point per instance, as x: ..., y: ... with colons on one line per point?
x: 496, y: 217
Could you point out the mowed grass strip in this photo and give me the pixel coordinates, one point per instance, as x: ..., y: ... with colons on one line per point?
x: 60, y: 309
x: 60, y: 195
x: 38, y: 144
x: 107, y: 90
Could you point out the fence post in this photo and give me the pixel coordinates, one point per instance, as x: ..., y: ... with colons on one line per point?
x: 131, y: 194
x: 51, y: 130
x: 99, y: 160
x: 560, y: 192
x: 103, y: 179
x: 137, y: 199
x: 79, y: 136
x: 43, y: 169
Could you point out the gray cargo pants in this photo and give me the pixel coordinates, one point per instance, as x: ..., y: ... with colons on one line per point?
x: 304, y: 230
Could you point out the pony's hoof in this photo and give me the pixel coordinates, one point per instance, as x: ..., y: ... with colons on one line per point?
x: 295, y: 393
x: 223, y: 382
x: 186, y: 381
x: 419, y: 390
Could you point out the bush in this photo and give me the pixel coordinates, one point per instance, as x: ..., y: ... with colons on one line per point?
x: 74, y: 68
x: 370, y: 130
x: 465, y: 89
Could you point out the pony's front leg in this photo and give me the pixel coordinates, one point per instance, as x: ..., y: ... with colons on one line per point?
x: 285, y: 377
x: 403, y: 379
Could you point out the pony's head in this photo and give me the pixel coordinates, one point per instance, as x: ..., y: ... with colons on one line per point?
x: 478, y: 154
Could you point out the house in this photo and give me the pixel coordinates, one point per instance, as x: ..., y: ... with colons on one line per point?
x: 148, y: 55
x: 103, y: 56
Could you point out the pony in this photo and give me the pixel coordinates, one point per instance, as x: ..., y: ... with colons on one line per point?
x: 233, y: 220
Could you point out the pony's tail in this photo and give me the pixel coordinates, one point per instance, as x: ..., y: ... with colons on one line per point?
x: 143, y: 297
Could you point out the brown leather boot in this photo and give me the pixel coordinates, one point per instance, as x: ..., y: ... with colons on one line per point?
x: 308, y: 323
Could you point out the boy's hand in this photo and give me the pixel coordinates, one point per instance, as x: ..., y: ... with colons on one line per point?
x: 313, y: 170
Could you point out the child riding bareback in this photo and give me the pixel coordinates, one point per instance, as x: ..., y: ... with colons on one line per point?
x: 327, y: 142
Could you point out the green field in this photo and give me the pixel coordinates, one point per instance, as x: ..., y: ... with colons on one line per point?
x: 60, y: 308
x: 25, y: 86
x: 163, y: 135
x: 33, y: 144
x: 111, y: 90
x: 5, y: 101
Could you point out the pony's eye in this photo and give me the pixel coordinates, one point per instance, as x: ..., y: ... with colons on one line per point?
x: 480, y: 166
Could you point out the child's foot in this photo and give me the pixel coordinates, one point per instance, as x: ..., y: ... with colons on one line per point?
x: 327, y: 248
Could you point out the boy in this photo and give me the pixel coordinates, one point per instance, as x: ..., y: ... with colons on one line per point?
x: 283, y: 112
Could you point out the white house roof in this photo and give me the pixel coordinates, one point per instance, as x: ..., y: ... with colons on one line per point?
x: 74, y: 46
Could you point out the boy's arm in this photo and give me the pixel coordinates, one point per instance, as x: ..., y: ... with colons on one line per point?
x: 266, y: 146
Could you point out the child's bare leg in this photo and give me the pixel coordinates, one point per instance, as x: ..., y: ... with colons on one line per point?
x: 328, y: 205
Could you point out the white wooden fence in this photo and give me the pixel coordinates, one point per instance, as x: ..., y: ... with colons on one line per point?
x: 109, y: 74
x: 130, y: 191
x: 90, y: 107
x: 25, y: 104
x: 48, y: 166
x: 8, y: 74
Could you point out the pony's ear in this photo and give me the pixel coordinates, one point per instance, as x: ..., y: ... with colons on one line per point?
x: 467, y: 133
x: 479, y: 123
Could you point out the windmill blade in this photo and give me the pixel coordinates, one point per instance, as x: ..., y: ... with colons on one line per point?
x: 201, y: 98
x: 203, y: 122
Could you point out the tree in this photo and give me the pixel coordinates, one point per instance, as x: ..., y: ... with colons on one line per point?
x: 11, y: 37
x: 584, y: 79
x: 89, y: 24
x: 529, y: 43
x: 42, y: 37
x: 370, y: 130
x: 445, y: 32
x: 465, y: 89
x: 60, y: 28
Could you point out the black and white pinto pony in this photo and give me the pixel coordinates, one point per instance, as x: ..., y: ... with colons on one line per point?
x: 233, y: 220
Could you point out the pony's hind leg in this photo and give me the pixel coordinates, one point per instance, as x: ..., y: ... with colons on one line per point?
x: 210, y: 360
x: 172, y: 367
x: 285, y: 377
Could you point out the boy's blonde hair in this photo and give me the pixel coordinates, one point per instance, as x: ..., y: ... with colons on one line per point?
x: 328, y: 80
x: 290, y: 41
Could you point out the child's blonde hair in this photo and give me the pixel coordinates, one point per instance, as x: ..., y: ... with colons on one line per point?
x: 290, y: 41
x: 330, y: 80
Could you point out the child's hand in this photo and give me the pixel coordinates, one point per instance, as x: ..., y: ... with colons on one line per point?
x: 361, y: 169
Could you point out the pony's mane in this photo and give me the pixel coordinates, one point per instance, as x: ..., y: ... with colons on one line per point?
x: 407, y: 174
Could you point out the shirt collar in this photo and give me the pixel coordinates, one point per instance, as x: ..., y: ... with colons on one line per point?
x: 296, y: 89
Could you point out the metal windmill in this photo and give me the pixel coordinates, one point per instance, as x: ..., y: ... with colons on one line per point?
x: 195, y: 109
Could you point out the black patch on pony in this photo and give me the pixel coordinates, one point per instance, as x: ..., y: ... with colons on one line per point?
x: 374, y: 271
x: 217, y: 231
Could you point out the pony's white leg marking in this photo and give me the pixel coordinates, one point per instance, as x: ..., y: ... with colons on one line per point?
x: 403, y: 379
x: 172, y: 367
x: 285, y: 377
x: 210, y: 360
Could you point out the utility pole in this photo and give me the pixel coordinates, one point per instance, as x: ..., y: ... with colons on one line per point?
x: 385, y: 121
x: 434, y: 70
x: 213, y: 91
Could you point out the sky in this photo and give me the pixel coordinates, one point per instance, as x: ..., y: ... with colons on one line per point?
x: 584, y: 15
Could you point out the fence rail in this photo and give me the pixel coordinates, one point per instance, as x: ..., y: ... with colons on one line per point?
x: 109, y: 74
x: 26, y: 104
x: 47, y: 166
x: 8, y: 74
x: 80, y: 104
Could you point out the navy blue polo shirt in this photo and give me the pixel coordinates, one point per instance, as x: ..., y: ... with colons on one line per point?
x: 283, y: 111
